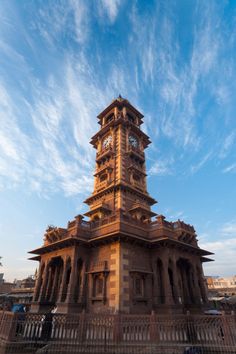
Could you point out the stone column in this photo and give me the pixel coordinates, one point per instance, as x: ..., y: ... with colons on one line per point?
x: 82, y: 285
x: 47, y: 293
x: 185, y: 287
x: 104, y: 287
x: 166, y: 281
x: 63, y: 280
x: 175, y: 281
x: 54, y: 285
x: 44, y: 284
x: 38, y: 283
x: 71, y: 285
x: 180, y: 283
x: 197, y: 292
x: 190, y: 283
x: 202, y: 285
x: 155, y: 282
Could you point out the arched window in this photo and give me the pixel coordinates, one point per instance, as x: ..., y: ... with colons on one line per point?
x: 131, y: 118
x: 109, y: 118
x: 136, y: 177
x: 138, y: 286
x: 103, y: 177
x: 98, y: 285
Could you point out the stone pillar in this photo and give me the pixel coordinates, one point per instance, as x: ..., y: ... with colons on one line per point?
x: 190, y: 282
x: 155, y: 282
x: 180, y: 283
x: 175, y: 281
x: 38, y: 283
x: 166, y: 283
x: 71, y: 285
x: 48, y: 289
x: 82, y: 285
x: 53, y: 296
x: 44, y: 284
x: 63, y: 280
x: 104, y: 287
x: 202, y: 284
x: 197, y: 291
x: 185, y: 287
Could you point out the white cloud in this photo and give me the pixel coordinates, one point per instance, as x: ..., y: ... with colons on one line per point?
x: 81, y: 19
x: 223, y: 94
x: 229, y: 229
x: 143, y: 41
x: 111, y: 8
x: 201, y: 163
x: 55, y: 154
x: 224, y: 257
x: 224, y: 249
x: 227, y: 145
x: 56, y: 20
x: 230, y: 168
x: 14, y: 144
x: 161, y: 167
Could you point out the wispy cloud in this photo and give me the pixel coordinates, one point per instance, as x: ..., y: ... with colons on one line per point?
x: 144, y: 43
x: 55, y: 155
x: 177, y: 215
x: 81, y: 19
x: 161, y: 167
x: 69, y: 18
x: 227, y: 145
x: 224, y: 248
x: 110, y: 7
x: 224, y: 257
x: 230, y: 168
x: 201, y: 163
x: 229, y: 229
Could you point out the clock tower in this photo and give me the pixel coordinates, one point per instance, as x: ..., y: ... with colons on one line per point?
x: 120, y: 176
x: 121, y: 259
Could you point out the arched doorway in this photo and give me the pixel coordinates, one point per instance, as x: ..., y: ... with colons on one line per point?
x: 185, y: 281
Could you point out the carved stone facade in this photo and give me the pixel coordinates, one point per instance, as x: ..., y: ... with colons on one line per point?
x: 120, y: 260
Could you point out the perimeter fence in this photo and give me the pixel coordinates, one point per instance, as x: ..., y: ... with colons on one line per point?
x: 117, y: 334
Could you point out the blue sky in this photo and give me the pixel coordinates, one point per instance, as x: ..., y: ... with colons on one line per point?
x: 62, y: 62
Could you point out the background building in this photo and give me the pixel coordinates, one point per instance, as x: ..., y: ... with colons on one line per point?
x: 221, y: 285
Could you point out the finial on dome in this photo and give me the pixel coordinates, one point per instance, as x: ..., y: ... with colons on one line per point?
x: 120, y: 98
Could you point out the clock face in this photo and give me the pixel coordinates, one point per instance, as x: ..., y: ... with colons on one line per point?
x: 107, y: 141
x: 133, y: 141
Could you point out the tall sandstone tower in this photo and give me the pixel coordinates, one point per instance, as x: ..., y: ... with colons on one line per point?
x: 121, y: 260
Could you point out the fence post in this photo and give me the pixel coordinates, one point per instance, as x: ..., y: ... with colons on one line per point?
x: 226, y: 330
x: 82, y: 326
x: 117, y: 328
x: 12, y: 326
x: 154, y: 335
x: 191, y: 332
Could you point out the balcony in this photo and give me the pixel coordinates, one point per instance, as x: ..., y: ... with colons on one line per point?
x: 181, y: 226
x: 103, y: 168
x: 102, y: 185
x: 138, y: 185
x: 177, y: 230
x: 136, y: 152
x: 105, y: 153
x: 137, y: 168
x: 98, y: 267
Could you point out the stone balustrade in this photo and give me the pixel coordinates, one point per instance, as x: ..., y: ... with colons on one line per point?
x: 86, y: 229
